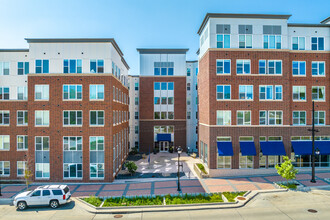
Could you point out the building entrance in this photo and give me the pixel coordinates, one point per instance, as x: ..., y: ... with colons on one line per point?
x: 163, y: 146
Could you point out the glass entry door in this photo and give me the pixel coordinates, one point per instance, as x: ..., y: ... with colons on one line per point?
x: 164, y: 146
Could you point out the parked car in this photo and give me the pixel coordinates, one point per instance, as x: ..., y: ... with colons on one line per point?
x: 52, y: 195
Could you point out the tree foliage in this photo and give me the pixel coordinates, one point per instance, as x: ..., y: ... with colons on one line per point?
x: 131, y: 166
x: 286, y: 169
x: 28, y: 174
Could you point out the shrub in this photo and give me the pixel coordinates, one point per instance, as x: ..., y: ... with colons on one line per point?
x: 201, y: 167
x: 131, y: 166
x: 95, y: 201
x: 286, y: 170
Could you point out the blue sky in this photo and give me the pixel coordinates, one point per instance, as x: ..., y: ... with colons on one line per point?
x: 135, y: 23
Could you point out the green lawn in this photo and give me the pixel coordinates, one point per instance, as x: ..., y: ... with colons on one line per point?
x: 232, y: 195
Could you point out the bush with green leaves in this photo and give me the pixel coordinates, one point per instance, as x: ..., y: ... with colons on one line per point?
x: 286, y: 170
x: 131, y: 166
x: 95, y: 201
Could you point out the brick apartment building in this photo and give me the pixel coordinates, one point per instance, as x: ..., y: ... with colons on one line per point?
x: 258, y: 75
x: 63, y: 110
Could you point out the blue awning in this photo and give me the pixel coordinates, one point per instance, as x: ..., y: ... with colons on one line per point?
x: 302, y: 147
x: 323, y: 146
x: 272, y: 148
x: 164, y: 137
x: 225, y: 148
x: 247, y: 148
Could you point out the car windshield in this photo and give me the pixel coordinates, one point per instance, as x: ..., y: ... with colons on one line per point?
x: 29, y: 193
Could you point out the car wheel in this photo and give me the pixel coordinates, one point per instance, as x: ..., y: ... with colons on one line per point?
x: 21, y: 205
x: 53, y: 204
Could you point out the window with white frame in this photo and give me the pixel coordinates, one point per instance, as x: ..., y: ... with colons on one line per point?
x: 72, y: 143
x: 96, y: 92
x: 22, y: 93
x: 42, y: 157
x: 72, y: 150
x: 270, y: 117
x: 97, y: 66
x: 22, y: 117
x: 22, y: 142
x: 163, y: 68
x: 223, y: 67
x: 21, y: 166
x: 42, y: 143
x: 299, y: 93
x: 270, y: 67
x: 22, y: 68
x: 42, y: 118
x: 246, y: 92
x: 42, y: 170
x: 299, y: 68
x: 270, y: 92
x: 71, y: 118
x: 298, y: 43
x: 4, y: 117
x: 164, y: 100
x: 72, y: 170
x: 299, y: 117
x: 318, y: 93
x: 223, y: 35
x: 243, y: 66
x: 243, y: 117
x: 96, y: 118
x: 245, y: 36
x: 223, y: 92
x: 272, y: 36
x: 223, y: 117
x: 72, y: 92
x: 4, y: 93
x: 317, y: 43
x: 41, y: 92
x: 318, y: 68
x: 223, y: 162
x: 319, y: 118
x: 4, y: 68
x: 72, y: 66
x: 4, y: 142
x: 4, y: 168
x: 96, y: 147
x: 42, y: 66
x: 245, y: 162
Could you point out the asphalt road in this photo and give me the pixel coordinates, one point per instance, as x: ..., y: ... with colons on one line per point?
x: 278, y: 206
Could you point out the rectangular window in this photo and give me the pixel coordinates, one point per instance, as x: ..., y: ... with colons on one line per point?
x: 243, y: 117
x: 319, y: 118
x: 4, y: 168
x: 72, y: 118
x: 299, y: 117
x: 41, y: 92
x: 223, y: 92
x: 318, y: 68
x: 223, y: 117
x: 42, y: 118
x: 96, y: 143
x: 136, y: 86
x: 270, y: 117
x: 246, y: 92
x: 21, y: 166
x: 22, y: 142
x: 42, y: 66
x: 272, y: 36
x: 4, y: 142
x: 136, y: 129
x: 72, y: 92
x: 22, y: 68
x: 22, y: 117
x: 96, y: 170
x: 72, y: 170
x: 223, y: 67
x: 318, y: 93
x: 223, y: 35
x: 136, y: 115
x: 299, y: 93
x: 270, y: 92
x: 4, y: 117
x: 245, y: 36
x: 298, y: 43
x: 72, y: 66
x: 4, y: 68
x: 136, y: 100
x: 298, y: 68
x: 22, y: 93
x: 72, y: 143
x: 97, y: 118
x: 317, y: 43
x: 97, y: 66
x: 4, y: 93
x: 243, y: 67
x: 188, y: 71
x: 96, y: 92
x: 42, y: 143
x: 164, y: 68
x: 42, y: 170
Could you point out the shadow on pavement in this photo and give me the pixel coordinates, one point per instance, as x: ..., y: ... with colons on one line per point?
x: 67, y: 206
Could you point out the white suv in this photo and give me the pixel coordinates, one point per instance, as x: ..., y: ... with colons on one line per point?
x: 52, y: 195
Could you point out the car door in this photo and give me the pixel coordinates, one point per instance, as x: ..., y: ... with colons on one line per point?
x: 35, y: 198
x: 46, y: 197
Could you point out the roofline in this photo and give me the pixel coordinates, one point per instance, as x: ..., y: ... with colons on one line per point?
x: 191, y: 61
x: 308, y: 25
x: 14, y: 50
x: 162, y: 50
x: 325, y: 20
x: 230, y: 15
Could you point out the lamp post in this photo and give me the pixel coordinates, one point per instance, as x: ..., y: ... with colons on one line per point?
x: 313, y: 130
x: 0, y: 187
x: 179, y: 152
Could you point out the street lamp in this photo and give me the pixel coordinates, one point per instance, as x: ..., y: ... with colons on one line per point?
x: 179, y: 152
x: 313, y: 130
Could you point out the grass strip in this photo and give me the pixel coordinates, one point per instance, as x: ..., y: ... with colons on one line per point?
x: 232, y: 195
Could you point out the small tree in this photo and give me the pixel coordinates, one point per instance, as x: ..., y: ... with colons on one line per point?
x: 28, y: 172
x: 286, y: 170
x: 131, y: 166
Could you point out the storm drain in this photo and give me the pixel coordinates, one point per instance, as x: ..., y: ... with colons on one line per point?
x: 312, y: 210
x: 118, y: 216
x: 241, y: 198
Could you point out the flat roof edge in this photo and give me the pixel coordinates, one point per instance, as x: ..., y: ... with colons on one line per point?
x: 162, y: 50
x: 14, y: 50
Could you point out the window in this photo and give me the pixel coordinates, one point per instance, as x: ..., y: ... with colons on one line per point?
x: 318, y: 93
x: 136, y: 129
x: 223, y: 92
x: 299, y: 68
x: 42, y: 170
x: 22, y: 118
x: 71, y: 118
x: 246, y: 92
x: 42, y: 118
x: 299, y: 93
x: 245, y: 36
x: 318, y: 68
x: 223, y: 66
x: 4, y: 168
x: 72, y: 66
x: 188, y: 86
x: 4, y: 68
x: 136, y: 115
x: 298, y: 43
x: 42, y: 66
x: 42, y: 157
x: 72, y: 143
x: 223, y: 117
x: 45, y: 193
x: 4, y: 117
x: 22, y: 142
x: 41, y: 92
x: 319, y: 118
x: 317, y: 43
x: 136, y: 99
x: 72, y: 92
x: 270, y: 118
x: 22, y: 93
x: 72, y: 170
x: 96, y: 143
x: 96, y: 170
x: 188, y: 115
x: 223, y: 35
x: 21, y: 166
x: 243, y: 117
x: 188, y: 100
x: 136, y: 86
x: 299, y: 118
x: 188, y: 71
x: 97, y: 66
x: 270, y: 67
x: 96, y: 117
x: 22, y: 68
x: 243, y: 67
x: 270, y: 92
x: 96, y: 92
x: 245, y: 161
x: 272, y: 36
x: 42, y: 143
x: 164, y: 68
x: 4, y: 142
x: 4, y: 93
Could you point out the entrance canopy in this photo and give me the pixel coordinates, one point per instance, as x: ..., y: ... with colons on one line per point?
x: 225, y: 148
x: 164, y: 137
x: 247, y: 148
x: 275, y: 148
x: 305, y: 147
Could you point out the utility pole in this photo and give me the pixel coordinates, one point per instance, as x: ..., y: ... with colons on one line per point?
x: 313, y: 130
